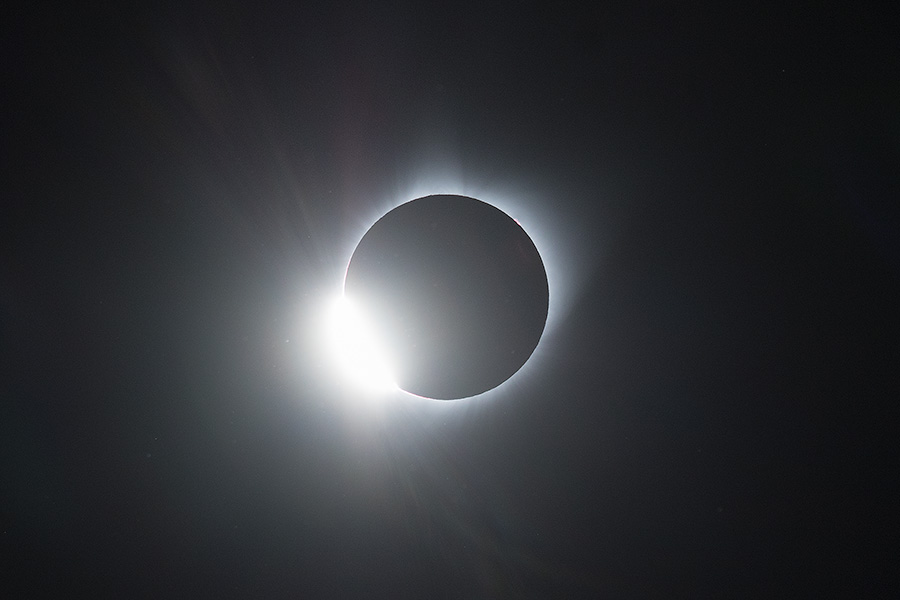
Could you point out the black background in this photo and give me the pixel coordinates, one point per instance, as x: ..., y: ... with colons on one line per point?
x: 713, y: 413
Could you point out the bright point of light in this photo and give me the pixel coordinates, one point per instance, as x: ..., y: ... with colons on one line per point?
x: 355, y: 350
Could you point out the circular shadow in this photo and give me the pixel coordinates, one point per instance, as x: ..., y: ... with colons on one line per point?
x: 456, y: 292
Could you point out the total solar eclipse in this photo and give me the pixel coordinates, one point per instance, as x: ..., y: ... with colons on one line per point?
x: 455, y: 293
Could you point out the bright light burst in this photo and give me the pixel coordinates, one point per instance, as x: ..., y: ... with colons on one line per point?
x: 355, y: 349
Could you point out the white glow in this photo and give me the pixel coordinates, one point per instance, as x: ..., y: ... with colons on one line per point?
x: 559, y: 237
x: 355, y: 350
x: 549, y: 231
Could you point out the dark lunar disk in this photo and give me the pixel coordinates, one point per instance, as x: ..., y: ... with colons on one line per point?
x: 456, y: 291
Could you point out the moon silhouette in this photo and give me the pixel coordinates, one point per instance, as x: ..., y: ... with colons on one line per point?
x: 456, y: 292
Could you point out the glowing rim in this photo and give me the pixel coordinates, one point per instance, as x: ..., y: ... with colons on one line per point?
x: 527, y: 213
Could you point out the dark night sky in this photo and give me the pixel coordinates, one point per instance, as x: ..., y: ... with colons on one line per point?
x: 711, y: 413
